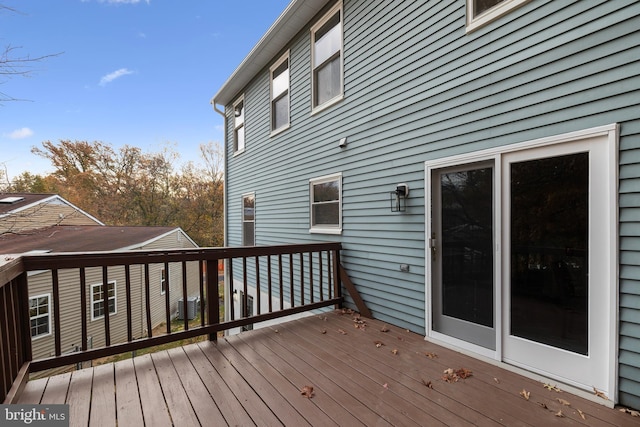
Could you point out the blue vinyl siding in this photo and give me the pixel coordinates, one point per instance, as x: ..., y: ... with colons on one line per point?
x: 417, y: 88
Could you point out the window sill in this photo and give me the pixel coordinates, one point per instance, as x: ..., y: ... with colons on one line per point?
x: 279, y: 130
x: 492, y: 14
x: 325, y: 230
x: 237, y: 153
x: 37, y: 337
x: 326, y: 105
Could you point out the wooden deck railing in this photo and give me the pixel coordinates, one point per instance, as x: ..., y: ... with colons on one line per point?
x: 292, y: 278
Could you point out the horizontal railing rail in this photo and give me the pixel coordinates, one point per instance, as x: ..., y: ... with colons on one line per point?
x: 264, y: 283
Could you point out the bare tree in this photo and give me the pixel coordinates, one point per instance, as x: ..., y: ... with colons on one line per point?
x: 13, y: 63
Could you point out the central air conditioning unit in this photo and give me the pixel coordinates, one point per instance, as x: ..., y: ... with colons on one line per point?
x: 193, y: 304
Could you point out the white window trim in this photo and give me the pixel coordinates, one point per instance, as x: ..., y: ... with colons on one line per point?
x: 490, y: 15
x: 284, y: 57
x: 35, y: 337
x: 105, y: 293
x: 326, y: 229
x: 236, y: 150
x: 315, y: 109
x: 163, y: 281
x: 253, y: 194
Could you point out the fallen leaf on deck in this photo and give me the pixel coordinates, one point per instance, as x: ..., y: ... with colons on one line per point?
x: 630, y: 411
x: 552, y: 388
x: 524, y: 393
x: 385, y: 385
x: 401, y: 339
x: 324, y: 331
x: 342, y: 332
x: 378, y: 343
x: 427, y: 384
x: 384, y: 328
x: 276, y: 331
x: 452, y: 376
x: 394, y: 351
x: 431, y: 355
x: 307, y: 391
x: 496, y: 380
x: 563, y: 402
x: 581, y: 414
x: 544, y: 405
x: 600, y: 394
x: 464, y: 373
x: 559, y: 414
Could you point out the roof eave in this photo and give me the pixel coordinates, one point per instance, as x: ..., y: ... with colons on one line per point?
x: 297, y: 14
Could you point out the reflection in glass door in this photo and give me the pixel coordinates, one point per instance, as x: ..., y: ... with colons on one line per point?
x: 462, y: 254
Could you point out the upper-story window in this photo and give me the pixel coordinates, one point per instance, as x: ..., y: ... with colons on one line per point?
x: 326, y: 204
x: 238, y: 125
x: 481, y: 12
x: 249, y: 220
x: 280, y: 94
x: 326, y: 62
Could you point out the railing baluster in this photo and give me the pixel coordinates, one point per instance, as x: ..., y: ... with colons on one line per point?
x: 291, y: 295
x: 201, y: 265
x: 127, y: 282
x: 5, y: 363
x: 56, y: 311
x: 329, y: 276
x: 12, y: 332
x: 258, y: 284
x: 245, y: 288
x: 311, y: 277
x: 232, y: 309
x: 23, y: 295
x: 105, y: 305
x: 301, y: 278
x: 83, y: 307
x: 320, y: 276
x: 185, y: 302
x: 337, y: 291
x: 269, y: 284
x: 147, y: 299
x: 167, y: 296
x: 212, y: 303
x: 280, y: 281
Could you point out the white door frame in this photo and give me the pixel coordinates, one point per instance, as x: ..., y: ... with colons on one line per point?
x: 609, y: 308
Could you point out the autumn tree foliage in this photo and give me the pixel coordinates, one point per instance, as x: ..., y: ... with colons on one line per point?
x: 129, y: 187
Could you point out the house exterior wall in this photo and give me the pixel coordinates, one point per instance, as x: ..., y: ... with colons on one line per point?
x: 44, y: 214
x: 417, y: 87
x: 40, y: 283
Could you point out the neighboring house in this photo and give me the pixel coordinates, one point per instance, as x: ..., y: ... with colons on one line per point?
x: 90, y: 238
x: 478, y: 160
x: 26, y: 211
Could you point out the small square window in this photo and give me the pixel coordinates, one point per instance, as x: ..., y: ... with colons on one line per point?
x: 326, y: 204
x: 39, y: 315
x: 97, y: 300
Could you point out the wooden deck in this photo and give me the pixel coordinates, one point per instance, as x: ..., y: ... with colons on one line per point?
x: 360, y: 376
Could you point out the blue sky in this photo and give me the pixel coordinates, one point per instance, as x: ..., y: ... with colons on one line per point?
x: 136, y: 72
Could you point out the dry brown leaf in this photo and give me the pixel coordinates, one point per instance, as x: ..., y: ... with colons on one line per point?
x: 552, y: 388
x: 384, y: 328
x: 544, y: 405
x: 276, y: 331
x: 307, y: 391
x: 600, y: 394
x: 378, y: 343
x: 385, y: 385
x: 394, y: 351
x: 563, y: 402
x: 559, y: 414
x: 427, y: 384
x: 630, y: 411
x: 496, y: 380
x: 431, y: 355
x: 581, y: 414
x: 524, y: 393
x: 342, y: 332
x: 464, y: 373
x: 324, y: 331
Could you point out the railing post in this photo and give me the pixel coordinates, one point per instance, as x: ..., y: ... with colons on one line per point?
x: 24, y: 319
x: 337, y: 286
x: 212, y: 301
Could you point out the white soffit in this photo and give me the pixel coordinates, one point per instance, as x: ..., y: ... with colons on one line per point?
x: 297, y: 14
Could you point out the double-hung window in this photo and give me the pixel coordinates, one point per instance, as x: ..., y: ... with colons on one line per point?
x: 326, y: 204
x: 326, y: 59
x: 481, y: 12
x: 238, y: 125
x: 249, y: 220
x: 39, y: 315
x: 98, y: 296
x: 163, y: 281
x: 280, y: 94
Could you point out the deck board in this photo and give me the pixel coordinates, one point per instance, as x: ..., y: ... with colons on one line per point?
x: 255, y: 378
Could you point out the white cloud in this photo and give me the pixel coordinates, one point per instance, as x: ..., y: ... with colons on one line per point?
x: 112, y: 76
x: 19, y: 133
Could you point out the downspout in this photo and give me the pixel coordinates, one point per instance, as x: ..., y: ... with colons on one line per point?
x: 227, y: 298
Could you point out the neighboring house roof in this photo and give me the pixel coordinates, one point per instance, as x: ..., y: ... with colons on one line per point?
x: 85, y: 238
x: 17, y: 202
x: 288, y: 24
